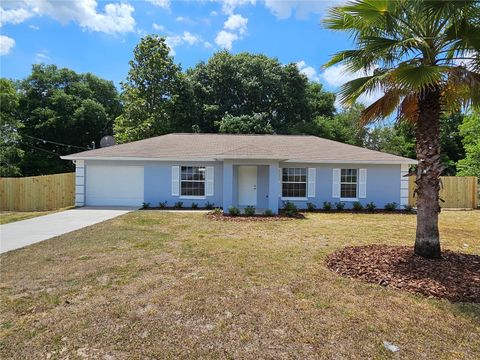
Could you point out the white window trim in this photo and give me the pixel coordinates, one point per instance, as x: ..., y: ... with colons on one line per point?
x: 293, y: 182
x: 294, y: 198
x: 350, y: 183
x: 192, y: 197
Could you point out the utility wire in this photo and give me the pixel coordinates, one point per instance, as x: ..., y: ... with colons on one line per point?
x: 57, y: 143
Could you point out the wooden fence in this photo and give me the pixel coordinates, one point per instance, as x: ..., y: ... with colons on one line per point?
x: 37, y: 193
x: 456, y: 192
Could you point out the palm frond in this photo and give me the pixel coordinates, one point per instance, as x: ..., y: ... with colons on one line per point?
x: 350, y: 91
x: 381, y: 108
x: 409, y: 110
x: 417, y: 78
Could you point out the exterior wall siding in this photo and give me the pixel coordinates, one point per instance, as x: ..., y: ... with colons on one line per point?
x: 384, y: 183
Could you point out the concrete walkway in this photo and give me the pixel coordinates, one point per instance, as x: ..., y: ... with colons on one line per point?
x: 26, y: 232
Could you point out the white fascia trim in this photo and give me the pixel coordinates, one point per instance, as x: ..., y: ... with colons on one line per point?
x: 187, y: 197
x: 371, y: 162
x: 126, y: 158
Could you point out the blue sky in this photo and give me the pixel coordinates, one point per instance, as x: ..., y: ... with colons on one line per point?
x: 99, y: 36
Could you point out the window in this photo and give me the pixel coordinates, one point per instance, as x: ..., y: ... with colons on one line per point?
x: 348, y: 184
x: 192, y: 181
x: 294, y: 182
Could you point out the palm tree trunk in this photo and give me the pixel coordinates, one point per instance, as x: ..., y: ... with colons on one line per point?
x: 427, y: 242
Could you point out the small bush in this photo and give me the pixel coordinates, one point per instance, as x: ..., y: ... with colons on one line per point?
x: 408, y: 208
x: 249, y: 211
x: 145, y: 205
x: 327, y: 205
x: 194, y: 205
x: 217, y: 211
x: 391, y: 206
x: 370, y: 206
x: 268, y: 212
x: 340, y: 205
x: 311, y: 206
x: 162, y: 204
x: 357, y: 206
x: 234, y: 211
x: 178, y: 205
x: 290, y: 209
x: 209, y: 205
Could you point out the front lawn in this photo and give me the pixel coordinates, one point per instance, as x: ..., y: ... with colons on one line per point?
x: 152, y: 284
x: 12, y: 216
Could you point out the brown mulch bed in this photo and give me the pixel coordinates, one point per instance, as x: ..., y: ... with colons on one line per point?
x: 455, y: 277
x: 242, y: 218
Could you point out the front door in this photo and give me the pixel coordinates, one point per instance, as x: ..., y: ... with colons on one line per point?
x: 247, y: 185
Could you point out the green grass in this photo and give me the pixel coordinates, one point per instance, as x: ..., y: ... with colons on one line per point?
x: 176, y: 285
x: 12, y: 216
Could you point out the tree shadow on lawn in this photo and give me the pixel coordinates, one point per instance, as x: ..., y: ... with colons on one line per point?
x: 455, y: 277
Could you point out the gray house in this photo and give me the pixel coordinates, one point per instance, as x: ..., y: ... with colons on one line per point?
x: 238, y: 170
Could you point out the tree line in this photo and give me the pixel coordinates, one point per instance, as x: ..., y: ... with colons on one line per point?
x: 56, y: 111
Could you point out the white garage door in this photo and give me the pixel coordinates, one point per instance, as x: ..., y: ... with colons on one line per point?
x: 114, y: 185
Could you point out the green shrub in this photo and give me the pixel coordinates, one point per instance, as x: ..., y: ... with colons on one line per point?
x: 178, y: 205
x: 408, y: 208
x: 162, y: 204
x: 290, y: 209
x: 145, y: 205
x: 370, y: 206
x: 194, y: 205
x: 268, y: 212
x: 340, y: 205
x: 209, y: 205
x: 217, y: 211
x: 391, y: 206
x: 249, y: 210
x: 357, y: 206
x: 234, y: 211
x: 311, y: 206
x: 327, y: 205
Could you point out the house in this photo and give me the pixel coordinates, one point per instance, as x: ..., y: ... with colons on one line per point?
x: 238, y: 170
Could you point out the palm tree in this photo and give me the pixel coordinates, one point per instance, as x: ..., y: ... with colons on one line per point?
x: 424, y: 57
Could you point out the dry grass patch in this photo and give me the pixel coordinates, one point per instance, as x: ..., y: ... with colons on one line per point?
x: 12, y: 216
x: 177, y: 285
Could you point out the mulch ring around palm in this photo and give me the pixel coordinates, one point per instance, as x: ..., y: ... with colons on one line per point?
x: 455, y: 277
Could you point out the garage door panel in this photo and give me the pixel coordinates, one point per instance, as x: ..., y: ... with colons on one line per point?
x: 114, y: 185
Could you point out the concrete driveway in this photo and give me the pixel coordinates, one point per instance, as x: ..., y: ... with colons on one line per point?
x: 26, y: 232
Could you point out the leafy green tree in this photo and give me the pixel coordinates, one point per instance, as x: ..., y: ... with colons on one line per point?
x: 62, y: 112
x: 10, y: 151
x: 244, y: 85
x: 470, y: 131
x: 342, y: 126
x: 155, y: 94
x: 451, y: 142
x: 245, y: 124
x: 425, y: 57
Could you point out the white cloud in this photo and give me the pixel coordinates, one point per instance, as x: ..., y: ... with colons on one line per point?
x: 283, y: 9
x: 164, y: 4
x: 229, y: 6
x: 42, y: 56
x: 186, y: 38
x: 14, y: 16
x: 185, y: 20
x: 233, y: 29
x: 337, y: 75
x: 34, y: 27
x: 158, y: 27
x: 236, y: 22
x: 6, y: 44
x: 115, y: 17
x: 309, y: 71
x: 225, y: 39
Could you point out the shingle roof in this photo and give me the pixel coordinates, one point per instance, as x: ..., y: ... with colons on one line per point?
x: 223, y: 146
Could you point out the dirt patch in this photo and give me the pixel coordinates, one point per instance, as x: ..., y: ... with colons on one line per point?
x: 455, y: 277
x: 243, y: 218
